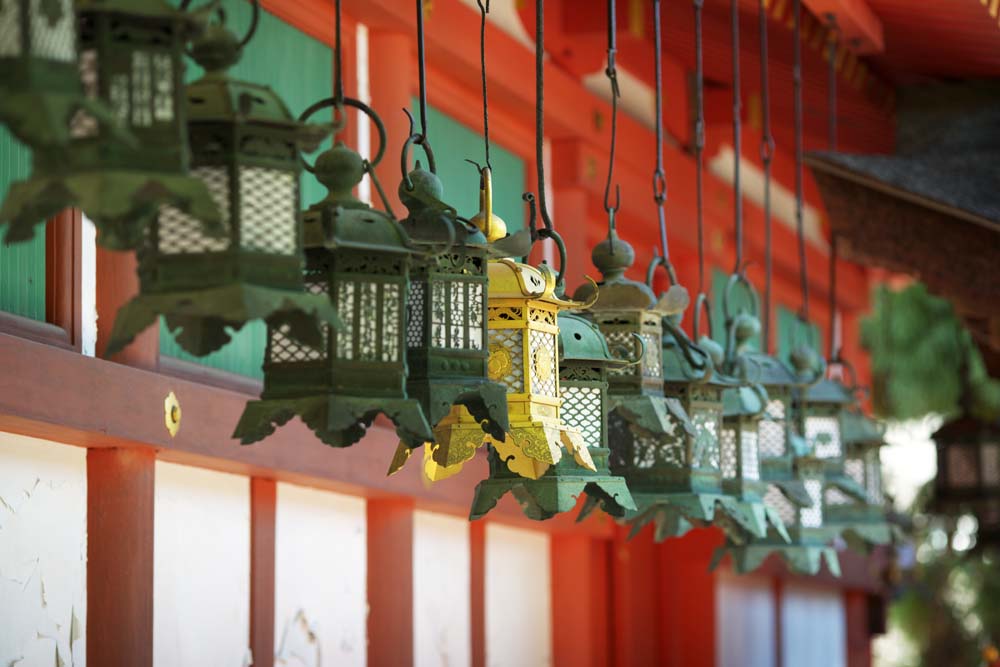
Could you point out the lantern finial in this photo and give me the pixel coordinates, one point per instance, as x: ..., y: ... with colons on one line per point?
x: 488, y: 222
x: 217, y: 49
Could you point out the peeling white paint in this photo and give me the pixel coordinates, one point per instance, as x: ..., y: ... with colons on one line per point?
x: 518, y: 597
x: 43, y: 552
x: 441, y: 625
x: 320, y: 602
x: 201, y: 582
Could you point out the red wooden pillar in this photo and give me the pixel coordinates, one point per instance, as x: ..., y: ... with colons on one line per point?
x: 390, y: 582
x: 391, y: 55
x: 120, y: 484
x: 263, y: 503
x: 636, y: 601
x: 579, y: 570
x: 687, y: 588
x: 859, y: 647
x: 117, y: 282
x: 477, y: 591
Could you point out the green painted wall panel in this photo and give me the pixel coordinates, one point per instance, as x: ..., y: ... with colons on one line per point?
x: 453, y: 143
x: 300, y: 70
x: 792, y: 332
x: 22, y: 266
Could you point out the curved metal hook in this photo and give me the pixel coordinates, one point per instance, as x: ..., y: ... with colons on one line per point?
x: 689, y: 348
x: 339, y: 123
x: 640, y: 354
x: 420, y: 140
x: 701, y: 303
x: 657, y: 262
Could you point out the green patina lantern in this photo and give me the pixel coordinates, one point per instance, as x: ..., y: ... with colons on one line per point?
x: 968, y: 477
x: 245, y: 150
x: 360, y: 257
x: 130, y: 60
x: 862, y: 523
x: 40, y: 86
x: 584, y: 362
x: 446, y: 328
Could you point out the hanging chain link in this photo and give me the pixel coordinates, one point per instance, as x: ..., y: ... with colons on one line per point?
x: 734, y: 8
x: 612, y: 73
x: 422, y: 71
x: 799, y: 225
x: 338, y: 78
x: 659, y: 176
x: 484, y: 9
x: 699, y: 140
x: 766, y: 156
x: 832, y: 129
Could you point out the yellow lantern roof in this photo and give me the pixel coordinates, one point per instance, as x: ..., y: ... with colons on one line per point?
x: 514, y: 280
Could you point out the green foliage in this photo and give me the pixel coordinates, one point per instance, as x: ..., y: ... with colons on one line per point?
x: 921, y: 356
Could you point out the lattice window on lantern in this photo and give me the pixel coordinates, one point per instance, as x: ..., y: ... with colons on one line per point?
x: 543, y: 363
x: 367, y: 348
x: 344, y: 303
x: 283, y: 349
x: 707, y: 431
x: 476, y: 315
x: 142, y: 89
x: 439, y: 314
x: 773, y: 497
x: 415, y: 315
x: 507, y: 359
x: 268, y: 199
x: 581, y: 409
x: 457, y: 314
x: 873, y: 478
x: 834, y: 497
x: 52, y: 29
x: 178, y: 233
x: 748, y: 455
x: 855, y: 469
x: 646, y: 449
x: 392, y: 322
x: 622, y: 346
x: 771, y: 430
x: 962, y: 466
x: 163, y: 88
x: 990, y: 464
x: 823, y: 433
x: 82, y: 124
x: 651, y: 366
x: 812, y: 517
x: 728, y: 453
x: 118, y: 97
x: 457, y: 325
x: 11, y: 43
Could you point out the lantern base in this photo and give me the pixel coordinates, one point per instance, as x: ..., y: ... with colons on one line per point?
x: 555, y: 492
x: 484, y: 400
x: 756, y: 517
x: 658, y: 415
x: 803, y: 559
x: 847, y: 486
x: 200, y: 318
x: 530, y: 448
x: 120, y: 203
x: 674, y: 514
x: 338, y: 421
x: 40, y: 119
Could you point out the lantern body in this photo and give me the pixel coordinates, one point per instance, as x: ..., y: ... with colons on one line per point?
x: 968, y: 478
x: 360, y: 259
x: 584, y: 360
x: 819, y: 408
x: 248, y: 159
x: 130, y: 59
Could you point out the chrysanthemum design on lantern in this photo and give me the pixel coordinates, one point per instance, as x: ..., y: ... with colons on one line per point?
x: 246, y: 151
x: 131, y: 62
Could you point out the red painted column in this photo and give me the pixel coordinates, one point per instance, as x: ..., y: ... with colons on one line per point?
x: 687, y: 589
x: 579, y: 591
x: 636, y: 600
x: 263, y: 503
x: 390, y: 582
x: 390, y: 59
x: 117, y: 283
x: 859, y: 647
x: 477, y: 591
x: 120, y: 485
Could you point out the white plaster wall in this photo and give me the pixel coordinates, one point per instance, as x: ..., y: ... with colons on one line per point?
x: 518, y: 598
x: 441, y: 604
x: 813, y: 626
x: 744, y: 611
x: 43, y: 552
x: 320, y: 605
x: 201, y: 582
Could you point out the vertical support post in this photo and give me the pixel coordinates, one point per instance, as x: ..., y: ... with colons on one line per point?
x: 689, y: 623
x: 635, y: 602
x: 579, y: 591
x: 263, y: 504
x: 779, y: 630
x: 117, y: 282
x: 477, y: 591
x: 859, y: 647
x: 120, y: 486
x: 390, y: 582
x: 391, y: 55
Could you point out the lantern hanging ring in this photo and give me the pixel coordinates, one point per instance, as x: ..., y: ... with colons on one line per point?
x: 546, y: 232
x: 701, y: 304
x: 339, y: 105
x: 419, y: 139
x: 659, y: 261
x: 221, y: 12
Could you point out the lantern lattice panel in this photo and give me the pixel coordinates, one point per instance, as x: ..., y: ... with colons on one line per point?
x: 990, y: 468
x: 748, y: 455
x: 83, y: 124
x: 648, y: 449
x: 510, y: 340
x: 823, y: 433
x: 776, y: 499
x: 415, y: 316
x: 52, y: 33
x: 873, y: 480
x: 771, y: 430
x: 855, y: 469
x: 283, y: 349
x: 812, y: 517
x: 727, y: 463
x: 451, y: 326
x: 358, y: 305
x: 707, y: 436
x: 962, y: 466
x: 835, y: 497
x: 581, y: 409
x: 617, y: 341
x: 543, y: 360
x: 651, y: 365
x: 267, y: 195
x: 179, y: 233
x: 10, y: 29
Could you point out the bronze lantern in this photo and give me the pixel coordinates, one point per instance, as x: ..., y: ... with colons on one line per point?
x: 968, y: 477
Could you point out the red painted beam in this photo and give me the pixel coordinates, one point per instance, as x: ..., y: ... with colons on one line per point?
x: 263, y: 504
x: 858, y: 24
x: 579, y: 570
x: 120, y: 485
